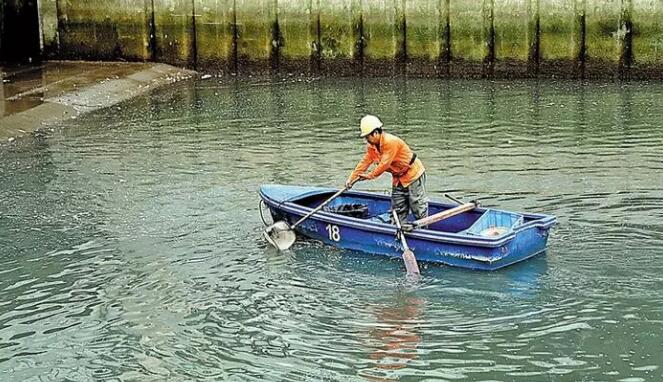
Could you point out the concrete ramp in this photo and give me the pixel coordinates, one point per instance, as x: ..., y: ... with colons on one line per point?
x: 36, y: 97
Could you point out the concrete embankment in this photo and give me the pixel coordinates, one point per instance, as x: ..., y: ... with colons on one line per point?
x: 522, y: 38
x: 37, y: 97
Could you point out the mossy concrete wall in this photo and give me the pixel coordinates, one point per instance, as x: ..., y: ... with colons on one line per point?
x: 561, y: 36
x: 647, y: 38
x: 48, y: 20
x: 341, y: 32
x: 485, y: 38
x: 257, y: 34
x: 299, y: 45
x: 215, y: 35
x: 427, y: 36
x: 175, y: 33
x: 103, y: 29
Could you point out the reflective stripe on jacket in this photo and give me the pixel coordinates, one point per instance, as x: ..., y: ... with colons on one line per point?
x: 393, y: 156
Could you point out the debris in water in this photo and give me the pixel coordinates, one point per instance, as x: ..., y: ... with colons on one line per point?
x: 206, y: 76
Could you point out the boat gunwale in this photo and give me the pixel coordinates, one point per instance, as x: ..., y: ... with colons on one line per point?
x: 542, y: 221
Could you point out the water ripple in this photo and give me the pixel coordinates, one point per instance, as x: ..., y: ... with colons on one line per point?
x: 132, y: 245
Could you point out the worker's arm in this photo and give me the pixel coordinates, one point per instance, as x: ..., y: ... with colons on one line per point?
x: 362, y: 166
x: 388, y: 155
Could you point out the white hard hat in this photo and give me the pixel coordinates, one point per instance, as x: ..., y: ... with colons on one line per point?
x: 368, y: 124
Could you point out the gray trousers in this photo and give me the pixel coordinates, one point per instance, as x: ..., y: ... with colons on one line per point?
x: 412, y: 197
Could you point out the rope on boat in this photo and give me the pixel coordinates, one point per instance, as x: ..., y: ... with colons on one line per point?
x: 262, y: 217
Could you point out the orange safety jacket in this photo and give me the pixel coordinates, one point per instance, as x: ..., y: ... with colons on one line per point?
x: 392, y: 155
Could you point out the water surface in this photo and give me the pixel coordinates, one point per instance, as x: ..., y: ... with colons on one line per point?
x: 132, y: 249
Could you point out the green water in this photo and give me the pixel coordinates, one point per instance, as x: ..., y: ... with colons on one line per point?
x: 131, y: 245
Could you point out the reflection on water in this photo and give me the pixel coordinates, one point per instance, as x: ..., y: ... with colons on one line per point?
x: 132, y: 246
x: 20, y: 89
x: 23, y: 87
x: 395, y: 336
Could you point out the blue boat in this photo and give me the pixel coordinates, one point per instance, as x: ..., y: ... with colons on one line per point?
x: 481, y: 238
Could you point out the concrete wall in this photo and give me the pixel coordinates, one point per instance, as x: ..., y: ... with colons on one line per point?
x: 215, y: 31
x: 106, y: 29
x: 48, y: 22
x: 485, y: 38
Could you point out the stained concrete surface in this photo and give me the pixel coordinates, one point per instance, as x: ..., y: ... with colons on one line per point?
x: 37, y: 97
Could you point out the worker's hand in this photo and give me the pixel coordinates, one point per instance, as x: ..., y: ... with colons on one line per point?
x: 349, y: 183
x: 365, y: 176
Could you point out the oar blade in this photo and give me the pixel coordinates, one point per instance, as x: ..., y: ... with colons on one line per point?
x: 410, y: 261
x: 280, y: 235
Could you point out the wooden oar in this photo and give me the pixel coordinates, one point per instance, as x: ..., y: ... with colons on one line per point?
x: 408, y: 256
x: 445, y: 214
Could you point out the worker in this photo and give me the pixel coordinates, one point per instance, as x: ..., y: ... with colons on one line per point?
x: 391, y: 154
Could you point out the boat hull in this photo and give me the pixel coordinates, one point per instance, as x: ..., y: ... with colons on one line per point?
x: 429, y: 246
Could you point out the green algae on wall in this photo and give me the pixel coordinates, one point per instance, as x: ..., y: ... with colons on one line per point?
x: 647, y: 18
x: 604, y: 35
x: 468, y: 37
x: 558, y: 29
x: 215, y: 31
x: 379, y: 32
x: 174, y: 32
x: 48, y: 10
x: 255, y: 28
x: 298, y: 34
x: 448, y: 37
x: 426, y: 39
x: 104, y: 29
x: 340, y: 21
x: 514, y: 34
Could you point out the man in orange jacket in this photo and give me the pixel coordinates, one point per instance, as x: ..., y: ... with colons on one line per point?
x: 393, y: 155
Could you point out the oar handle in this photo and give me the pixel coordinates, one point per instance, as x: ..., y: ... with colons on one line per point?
x: 445, y: 214
x: 321, y: 206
